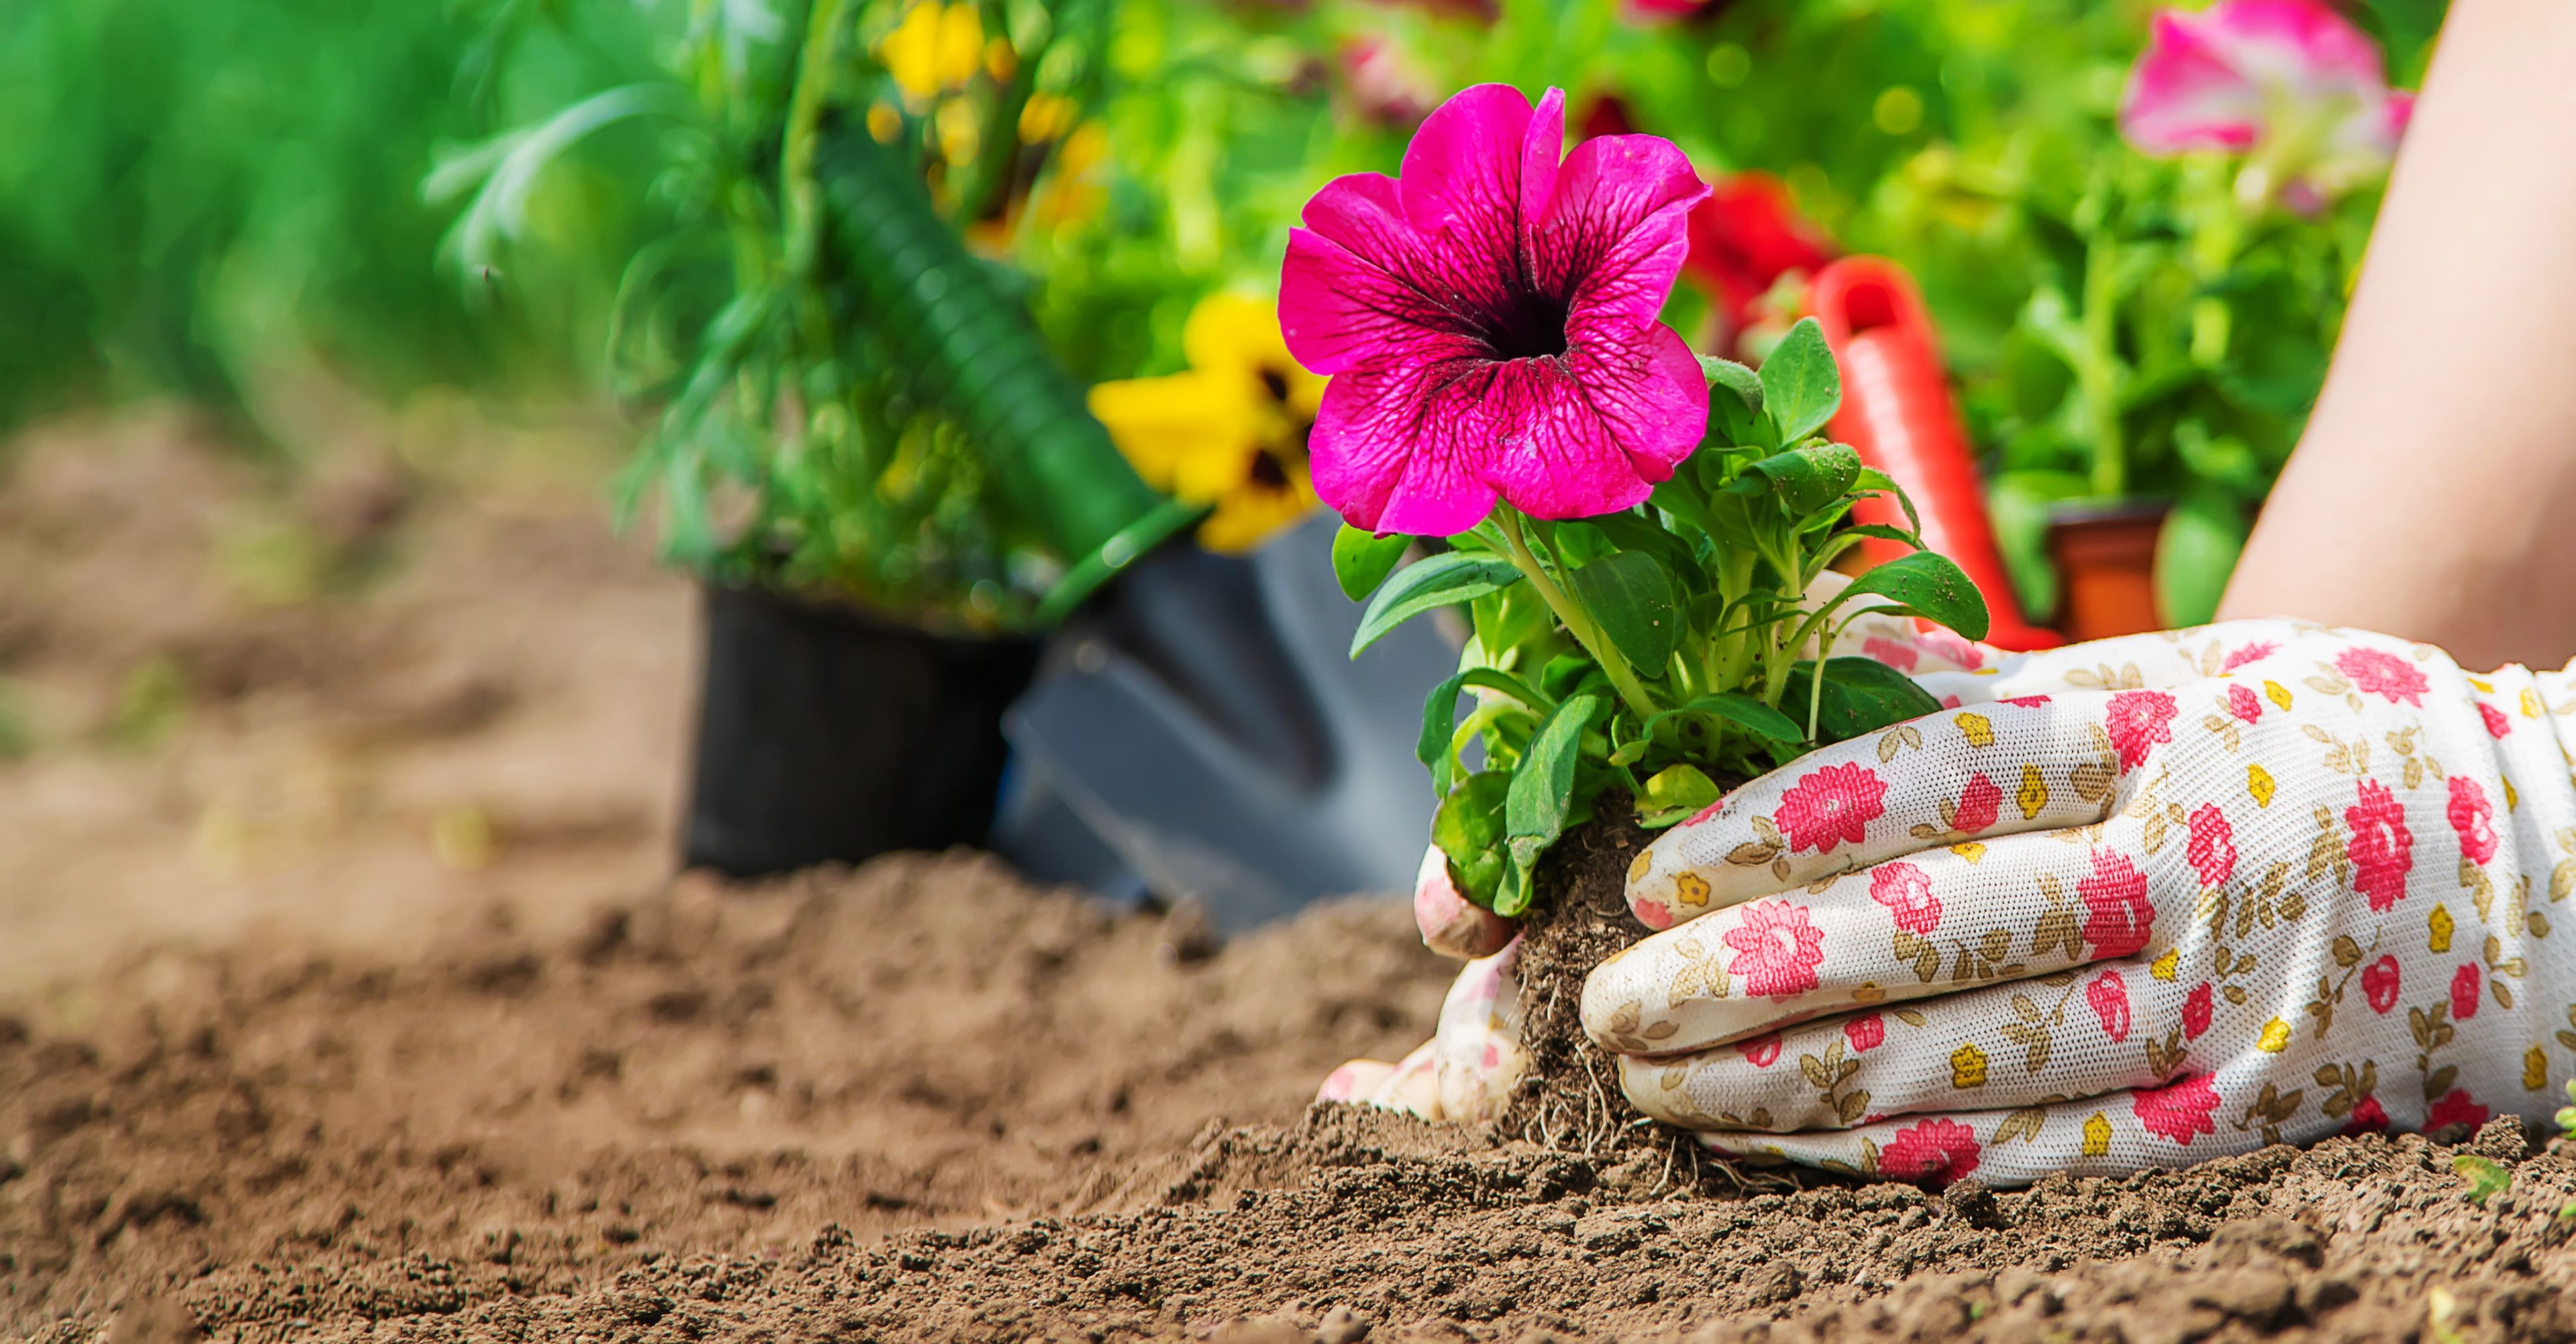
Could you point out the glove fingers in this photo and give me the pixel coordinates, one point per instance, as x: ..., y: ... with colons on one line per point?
x: 1970, y: 914
x: 2034, y: 765
x: 2158, y: 661
x: 2078, y: 1033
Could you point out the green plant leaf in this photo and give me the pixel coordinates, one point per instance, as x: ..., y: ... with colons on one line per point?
x: 2196, y: 551
x: 2486, y: 1179
x: 1860, y: 695
x: 1734, y: 400
x: 1801, y: 388
x: 1932, y: 586
x: 1543, y: 785
x: 1745, y: 712
x: 1674, y: 794
x: 1468, y: 828
x: 1439, y: 724
x: 1362, y: 560
x: 1810, y: 477
x: 1440, y: 581
x: 1871, y: 478
x: 1634, y: 598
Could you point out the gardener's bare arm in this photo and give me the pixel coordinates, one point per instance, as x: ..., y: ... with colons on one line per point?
x: 2434, y: 495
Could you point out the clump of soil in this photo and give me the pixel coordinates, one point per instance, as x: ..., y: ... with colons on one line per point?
x: 1570, y: 1097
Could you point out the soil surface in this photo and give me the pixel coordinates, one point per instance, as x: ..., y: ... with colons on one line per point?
x: 421, y: 1042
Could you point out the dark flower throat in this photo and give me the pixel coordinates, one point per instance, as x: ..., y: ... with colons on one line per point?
x: 1531, y: 325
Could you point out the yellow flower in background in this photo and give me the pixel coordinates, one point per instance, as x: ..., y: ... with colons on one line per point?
x: 934, y: 48
x: 1230, y: 432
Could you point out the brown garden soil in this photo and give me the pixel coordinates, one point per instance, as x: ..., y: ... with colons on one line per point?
x: 409, y: 1055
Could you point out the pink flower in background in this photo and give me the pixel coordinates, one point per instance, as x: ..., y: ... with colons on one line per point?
x: 2196, y: 1008
x: 2457, y: 1107
x: 2497, y: 724
x: 1831, y: 806
x: 2178, y: 1110
x: 2465, y: 985
x: 2244, y: 703
x: 1978, y: 804
x: 2108, y: 996
x: 1489, y: 319
x: 2290, y: 83
x: 2379, y: 984
x: 2212, y: 850
x: 1935, y: 1152
x: 1907, y: 893
x: 2251, y: 653
x: 2472, y: 818
x: 2382, y: 849
x: 2385, y: 675
x: 1866, y: 1032
x: 2137, y: 721
x: 1776, y: 950
x: 2115, y: 897
x: 1385, y: 83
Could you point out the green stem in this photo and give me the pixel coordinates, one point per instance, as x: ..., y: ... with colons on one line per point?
x: 1577, y: 622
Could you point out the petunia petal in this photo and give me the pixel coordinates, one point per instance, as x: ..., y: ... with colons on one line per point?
x: 1469, y: 181
x: 1350, y: 283
x: 1587, y: 433
x: 2302, y: 49
x: 2185, y: 94
x: 1387, y: 452
x: 1615, y: 235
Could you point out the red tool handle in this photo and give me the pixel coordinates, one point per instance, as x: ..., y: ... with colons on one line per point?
x: 1898, y: 413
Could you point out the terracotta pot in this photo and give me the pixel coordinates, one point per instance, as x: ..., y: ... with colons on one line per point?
x: 2106, y: 568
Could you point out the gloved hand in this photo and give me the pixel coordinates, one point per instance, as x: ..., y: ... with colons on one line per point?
x: 2147, y: 901
x: 1466, y: 1071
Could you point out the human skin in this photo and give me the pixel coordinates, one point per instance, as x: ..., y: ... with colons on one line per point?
x: 2434, y: 493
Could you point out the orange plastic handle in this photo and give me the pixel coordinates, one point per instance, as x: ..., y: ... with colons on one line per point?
x: 1898, y: 413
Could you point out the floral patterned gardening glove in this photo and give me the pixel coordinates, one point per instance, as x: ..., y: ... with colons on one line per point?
x: 2139, y: 903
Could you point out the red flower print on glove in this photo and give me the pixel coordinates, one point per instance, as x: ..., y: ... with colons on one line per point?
x: 2385, y: 675
x: 1978, y: 805
x: 2473, y: 818
x: 1762, y: 1051
x: 1902, y: 657
x: 2497, y: 724
x: 2464, y: 993
x: 2196, y: 1007
x: 2379, y: 984
x: 1776, y: 950
x: 2212, y: 850
x: 2381, y: 847
x: 2180, y: 1109
x: 2457, y: 1107
x: 2108, y: 996
x: 2138, y: 720
x: 2244, y: 703
x: 1906, y: 891
x: 1935, y: 1152
x: 2251, y: 653
x: 2368, y: 1117
x: 1866, y: 1032
x: 1832, y: 806
x: 2116, y: 897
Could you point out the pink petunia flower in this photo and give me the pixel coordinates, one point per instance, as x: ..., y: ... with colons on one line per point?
x: 1777, y: 950
x: 2379, y: 984
x: 2457, y: 1107
x: 2383, y: 674
x: 1906, y: 891
x: 2108, y: 996
x: 2137, y: 721
x: 1978, y: 805
x: 1489, y: 319
x: 2472, y: 818
x: 2368, y: 1117
x: 1866, y: 1032
x: 2497, y: 724
x: 2381, y: 847
x: 2289, y: 82
x: 1935, y: 1152
x: 2178, y: 1110
x: 1831, y: 806
x: 2244, y: 703
x: 2251, y: 653
x: 2465, y: 985
x: 2115, y: 897
x: 2196, y: 1008
x: 1762, y: 1051
x: 2212, y: 850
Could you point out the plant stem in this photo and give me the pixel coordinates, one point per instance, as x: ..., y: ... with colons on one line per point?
x: 1578, y: 623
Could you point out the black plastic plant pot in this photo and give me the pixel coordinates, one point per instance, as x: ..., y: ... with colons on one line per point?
x: 829, y: 733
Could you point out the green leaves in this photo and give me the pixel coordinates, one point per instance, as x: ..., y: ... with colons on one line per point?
x: 1362, y: 560
x: 1745, y: 712
x: 1734, y: 399
x: 1932, y: 586
x: 1810, y: 478
x: 1633, y: 597
x: 2196, y: 551
x: 1674, y: 795
x: 1801, y: 388
x: 1443, y: 580
x: 1542, y: 789
x: 2486, y: 1178
x: 1860, y: 695
x: 1468, y: 828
